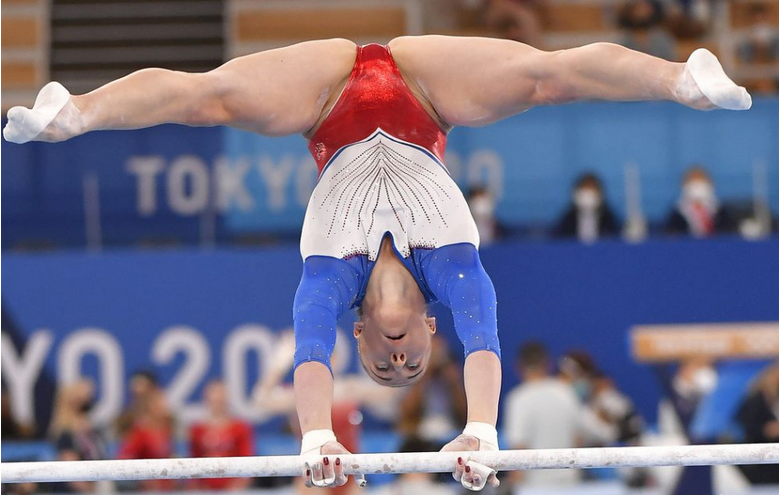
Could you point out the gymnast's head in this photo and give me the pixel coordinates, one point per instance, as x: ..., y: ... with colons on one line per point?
x: 394, y: 342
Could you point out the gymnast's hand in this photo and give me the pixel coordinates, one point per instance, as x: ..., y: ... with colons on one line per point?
x: 324, y: 471
x: 471, y: 474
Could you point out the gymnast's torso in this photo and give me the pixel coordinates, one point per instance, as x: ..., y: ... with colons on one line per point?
x: 381, y: 176
x: 381, y: 171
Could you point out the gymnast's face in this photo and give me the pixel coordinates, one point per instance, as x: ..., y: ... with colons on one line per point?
x: 394, y: 344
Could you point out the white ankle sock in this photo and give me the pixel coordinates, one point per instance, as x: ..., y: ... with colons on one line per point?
x: 713, y: 82
x: 26, y: 124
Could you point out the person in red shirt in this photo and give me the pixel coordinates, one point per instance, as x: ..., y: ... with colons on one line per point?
x: 150, y: 436
x: 220, y: 435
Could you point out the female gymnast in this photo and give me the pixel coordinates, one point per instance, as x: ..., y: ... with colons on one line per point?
x: 386, y: 230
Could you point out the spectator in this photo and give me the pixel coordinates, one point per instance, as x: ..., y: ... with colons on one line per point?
x: 616, y: 409
x: 73, y: 434
x: 641, y: 21
x: 541, y: 413
x: 482, y: 207
x: 759, y: 416
x: 11, y: 428
x: 435, y: 408
x: 141, y: 385
x: 150, y: 428
x: 616, y: 414
x: 220, y: 435
x: 760, y: 45
x: 588, y: 217
x: 698, y: 212
x: 515, y: 19
x: 688, y: 18
x: 577, y: 369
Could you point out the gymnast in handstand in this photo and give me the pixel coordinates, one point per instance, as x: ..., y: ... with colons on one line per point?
x: 386, y: 231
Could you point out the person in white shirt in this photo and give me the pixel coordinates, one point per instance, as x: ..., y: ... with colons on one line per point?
x: 541, y: 413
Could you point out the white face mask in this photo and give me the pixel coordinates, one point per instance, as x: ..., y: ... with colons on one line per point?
x: 705, y: 380
x: 612, y: 403
x: 587, y: 199
x: 699, y: 191
x: 482, y: 206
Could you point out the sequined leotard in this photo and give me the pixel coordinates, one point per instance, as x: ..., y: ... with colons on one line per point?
x: 381, y: 174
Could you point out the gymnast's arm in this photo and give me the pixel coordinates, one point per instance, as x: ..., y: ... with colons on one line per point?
x: 473, y: 81
x: 327, y: 289
x: 455, y: 275
x: 276, y: 92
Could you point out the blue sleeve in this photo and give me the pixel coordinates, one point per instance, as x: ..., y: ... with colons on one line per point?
x: 456, y: 277
x: 328, y: 288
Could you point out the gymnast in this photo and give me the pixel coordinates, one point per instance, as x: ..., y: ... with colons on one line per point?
x: 386, y: 230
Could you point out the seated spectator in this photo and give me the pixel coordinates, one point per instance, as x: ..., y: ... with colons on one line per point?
x: 759, y: 416
x: 434, y: 408
x: 541, y: 413
x: 220, y: 435
x: 482, y: 207
x: 760, y: 45
x: 588, y: 217
x: 150, y: 429
x: 515, y: 19
x: 641, y: 22
x: 73, y: 434
x: 688, y: 18
x: 698, y: 212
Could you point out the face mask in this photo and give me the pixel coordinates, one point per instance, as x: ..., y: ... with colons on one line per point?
x: 482, y: 206
x: 699, y: 191
x: 582, y: 388
x: 705, y: 380
x: 612, y: 403
x: 587, y: 199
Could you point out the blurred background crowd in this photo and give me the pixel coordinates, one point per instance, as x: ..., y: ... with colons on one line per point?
x: 556, y: 402
x: 140, y: 231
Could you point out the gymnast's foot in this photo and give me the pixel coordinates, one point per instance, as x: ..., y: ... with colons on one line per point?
x: 705, y: 86
x: 53, y: 118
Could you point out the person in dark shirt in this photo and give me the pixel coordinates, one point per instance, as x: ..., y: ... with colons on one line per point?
x: 759, y: 417
x: 73, y: 434
x: 698, y: 211
x: 588, y: 217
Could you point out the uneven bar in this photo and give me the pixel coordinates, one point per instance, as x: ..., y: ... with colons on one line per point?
x: 421, y: 462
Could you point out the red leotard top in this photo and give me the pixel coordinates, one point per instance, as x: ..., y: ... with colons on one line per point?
x: 375, y: 96
x: 381, y: 171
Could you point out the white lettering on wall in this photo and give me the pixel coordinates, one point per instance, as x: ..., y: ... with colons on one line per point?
x: 191, y: 343
x: 251, y: 338
x: 111, y: 375
x: 146, y: 170
x: 185, y: 170
x: 20, y: 372
x: 229, y: 181
x: 276, y: 177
